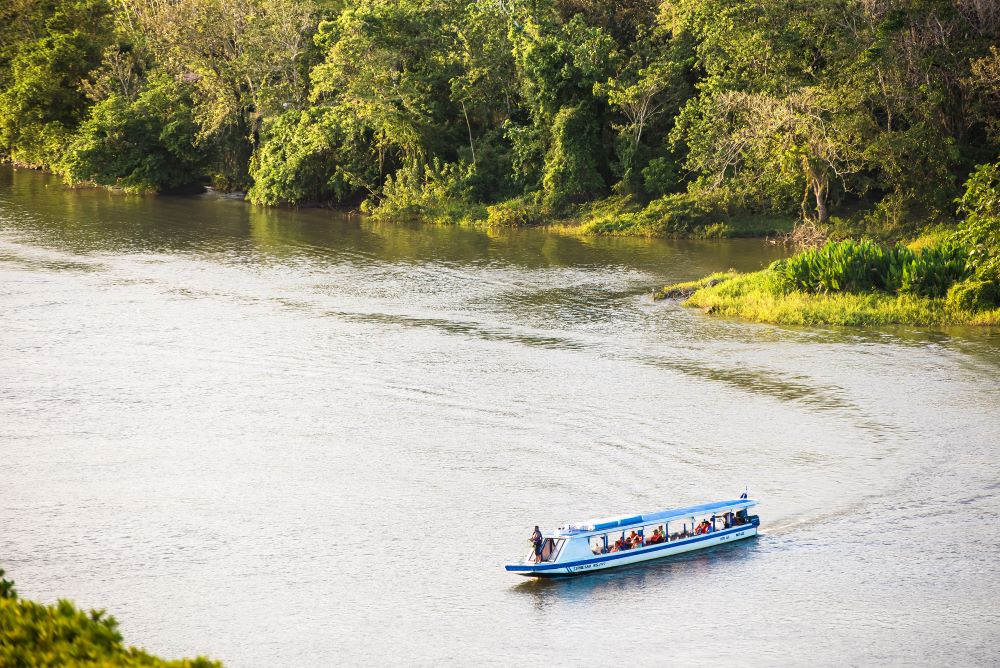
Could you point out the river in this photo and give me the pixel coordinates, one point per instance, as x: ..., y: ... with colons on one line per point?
x: 287, y: 438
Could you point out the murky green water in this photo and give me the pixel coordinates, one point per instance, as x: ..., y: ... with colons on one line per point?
x: 289, y: 438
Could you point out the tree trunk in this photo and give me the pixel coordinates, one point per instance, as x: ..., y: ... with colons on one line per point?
x: 469, y: 127
x: 820, y: 187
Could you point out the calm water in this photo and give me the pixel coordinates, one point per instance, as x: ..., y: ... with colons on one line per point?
x: 285, y: 438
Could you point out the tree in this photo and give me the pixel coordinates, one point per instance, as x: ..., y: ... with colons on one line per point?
x: 650, y: 83
x: 32, y: 634
x: 41, y: 104
x: 570, y: 168
x: 557, y: 68
x: 241, y: 58
x: 386, y: 66
x: 316, y: 155
x: 144, y: 144
x: 809, y: 138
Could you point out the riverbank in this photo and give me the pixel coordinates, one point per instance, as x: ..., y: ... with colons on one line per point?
x: 762, y: 296
x: 944, y: 277
x: 676, y: 216
x: 615, y: 216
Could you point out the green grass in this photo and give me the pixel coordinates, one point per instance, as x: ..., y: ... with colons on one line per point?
x: 674, y: 216
x: 761, y: 297
x: 688, y: 288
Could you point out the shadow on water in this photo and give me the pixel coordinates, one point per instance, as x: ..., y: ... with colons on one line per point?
x: 88, y: 220
x: 711, y: 562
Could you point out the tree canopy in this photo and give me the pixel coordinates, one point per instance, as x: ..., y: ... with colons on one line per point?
x: 873, y: 110
x: 33, y: 634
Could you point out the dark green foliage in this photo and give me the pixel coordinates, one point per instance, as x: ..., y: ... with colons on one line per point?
x: 862, y: 266
x: 973, y: 295
x: 41, y: 102
x: 6, y: 587
x: 865, y: 117
x: 518, y: 212
x: 981, y: 229
x: 146, y: 144
x: 312, y: 156
x: 571, y: 167
x: 661, y: 176
x: 32, y: 634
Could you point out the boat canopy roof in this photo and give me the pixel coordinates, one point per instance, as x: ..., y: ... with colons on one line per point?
x: 606, y: 523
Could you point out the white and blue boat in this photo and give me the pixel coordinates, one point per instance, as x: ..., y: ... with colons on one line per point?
x: 584, y: 547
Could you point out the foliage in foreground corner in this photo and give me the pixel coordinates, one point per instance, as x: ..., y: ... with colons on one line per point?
x: 33, y: 634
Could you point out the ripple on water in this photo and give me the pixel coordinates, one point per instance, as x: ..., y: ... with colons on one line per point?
x: 280, y: 407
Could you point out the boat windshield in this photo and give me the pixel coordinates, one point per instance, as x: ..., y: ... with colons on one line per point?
x: 551, y: 547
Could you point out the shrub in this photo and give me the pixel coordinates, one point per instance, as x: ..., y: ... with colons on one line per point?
x: 435, y: 192
x: 861, y: 266
x: 311, y: 156
x: 661, y: 176
x: 570, y: 174
x: 973, y: 295
x: 517, y: 212
x: 146, y: 144
x: 981, y: 229
x: 33, y: 634
x: 933, y: 271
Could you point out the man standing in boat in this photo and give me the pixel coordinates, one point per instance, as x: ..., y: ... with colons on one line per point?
x: 536, y: 541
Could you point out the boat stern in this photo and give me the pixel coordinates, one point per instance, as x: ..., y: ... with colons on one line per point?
x: 535, y: 570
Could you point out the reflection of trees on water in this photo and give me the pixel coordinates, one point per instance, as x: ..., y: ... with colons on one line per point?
x: 97, y: 219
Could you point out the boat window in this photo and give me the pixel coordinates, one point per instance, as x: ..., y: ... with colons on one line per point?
x: 654, y: 534
x: 679, y: 529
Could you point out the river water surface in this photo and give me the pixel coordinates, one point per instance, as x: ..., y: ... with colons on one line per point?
x: 289, y: 438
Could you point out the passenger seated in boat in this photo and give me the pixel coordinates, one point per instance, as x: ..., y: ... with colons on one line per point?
x: 634, y: 540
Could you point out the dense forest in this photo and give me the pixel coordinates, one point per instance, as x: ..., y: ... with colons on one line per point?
x: 640, y: 116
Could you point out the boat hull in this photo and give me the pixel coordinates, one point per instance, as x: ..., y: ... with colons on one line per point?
x: 617, y: 559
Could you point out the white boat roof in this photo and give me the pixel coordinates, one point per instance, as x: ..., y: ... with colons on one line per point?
x: 606, y: 523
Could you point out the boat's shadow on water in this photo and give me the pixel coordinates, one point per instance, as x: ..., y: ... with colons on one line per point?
x: 713, y: 561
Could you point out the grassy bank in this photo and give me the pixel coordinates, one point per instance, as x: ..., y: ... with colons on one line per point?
x: 675, y: 216
x: 763, y: 297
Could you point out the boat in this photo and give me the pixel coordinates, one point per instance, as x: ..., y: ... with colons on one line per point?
x: 608, y: 542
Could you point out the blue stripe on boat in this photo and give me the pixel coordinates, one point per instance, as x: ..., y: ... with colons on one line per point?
x: 621, y: 555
